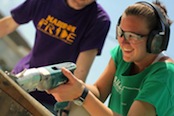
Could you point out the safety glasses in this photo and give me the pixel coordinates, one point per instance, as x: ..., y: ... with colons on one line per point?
x: 132, y: 38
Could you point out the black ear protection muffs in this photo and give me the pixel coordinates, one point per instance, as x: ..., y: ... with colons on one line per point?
x: 157, y: 39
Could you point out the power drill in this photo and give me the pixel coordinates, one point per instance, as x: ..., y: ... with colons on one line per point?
x: 44, y: 78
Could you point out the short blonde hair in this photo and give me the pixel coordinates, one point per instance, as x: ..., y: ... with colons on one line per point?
x: 148, y: 13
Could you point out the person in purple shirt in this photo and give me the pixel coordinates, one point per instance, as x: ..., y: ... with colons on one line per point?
x: 66, y: 31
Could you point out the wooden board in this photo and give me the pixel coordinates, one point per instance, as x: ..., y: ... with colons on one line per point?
x: 17, y: 102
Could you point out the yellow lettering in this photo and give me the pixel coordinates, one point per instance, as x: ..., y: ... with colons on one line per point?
x: 49, y: 28
x: 42, y: 22
x: 62, y: 24
x: 55, y: 21
x: 71, y: 28
x: 58, y: 30
x: 63, y: 34
x: 71, y: 37
x: 50, y: 18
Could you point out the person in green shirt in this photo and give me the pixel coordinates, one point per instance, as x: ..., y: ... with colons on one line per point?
x: 139, y: 76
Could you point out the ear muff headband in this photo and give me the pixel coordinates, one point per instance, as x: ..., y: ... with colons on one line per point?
x: 158, y: 39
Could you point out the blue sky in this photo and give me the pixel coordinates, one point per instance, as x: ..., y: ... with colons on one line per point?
x: 114, y: 8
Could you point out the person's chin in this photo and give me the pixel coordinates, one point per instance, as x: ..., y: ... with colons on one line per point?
x: 127, y: 59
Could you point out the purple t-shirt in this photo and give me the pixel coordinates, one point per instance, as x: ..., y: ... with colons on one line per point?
x: 61, y: 32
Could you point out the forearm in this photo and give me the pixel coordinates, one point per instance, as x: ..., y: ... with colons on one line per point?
x: 94, y: 90
x: 7, y: 25
x: 96, y: 107
x: 81, y: 73
x: 84, y: 62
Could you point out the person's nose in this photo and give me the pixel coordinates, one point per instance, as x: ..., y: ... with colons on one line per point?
x: 122, y: 39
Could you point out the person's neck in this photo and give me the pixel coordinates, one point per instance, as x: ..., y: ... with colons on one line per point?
x: 75, y: 5
x: 138, y: 67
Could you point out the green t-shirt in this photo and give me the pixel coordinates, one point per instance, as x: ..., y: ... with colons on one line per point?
x: 154, y: 85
